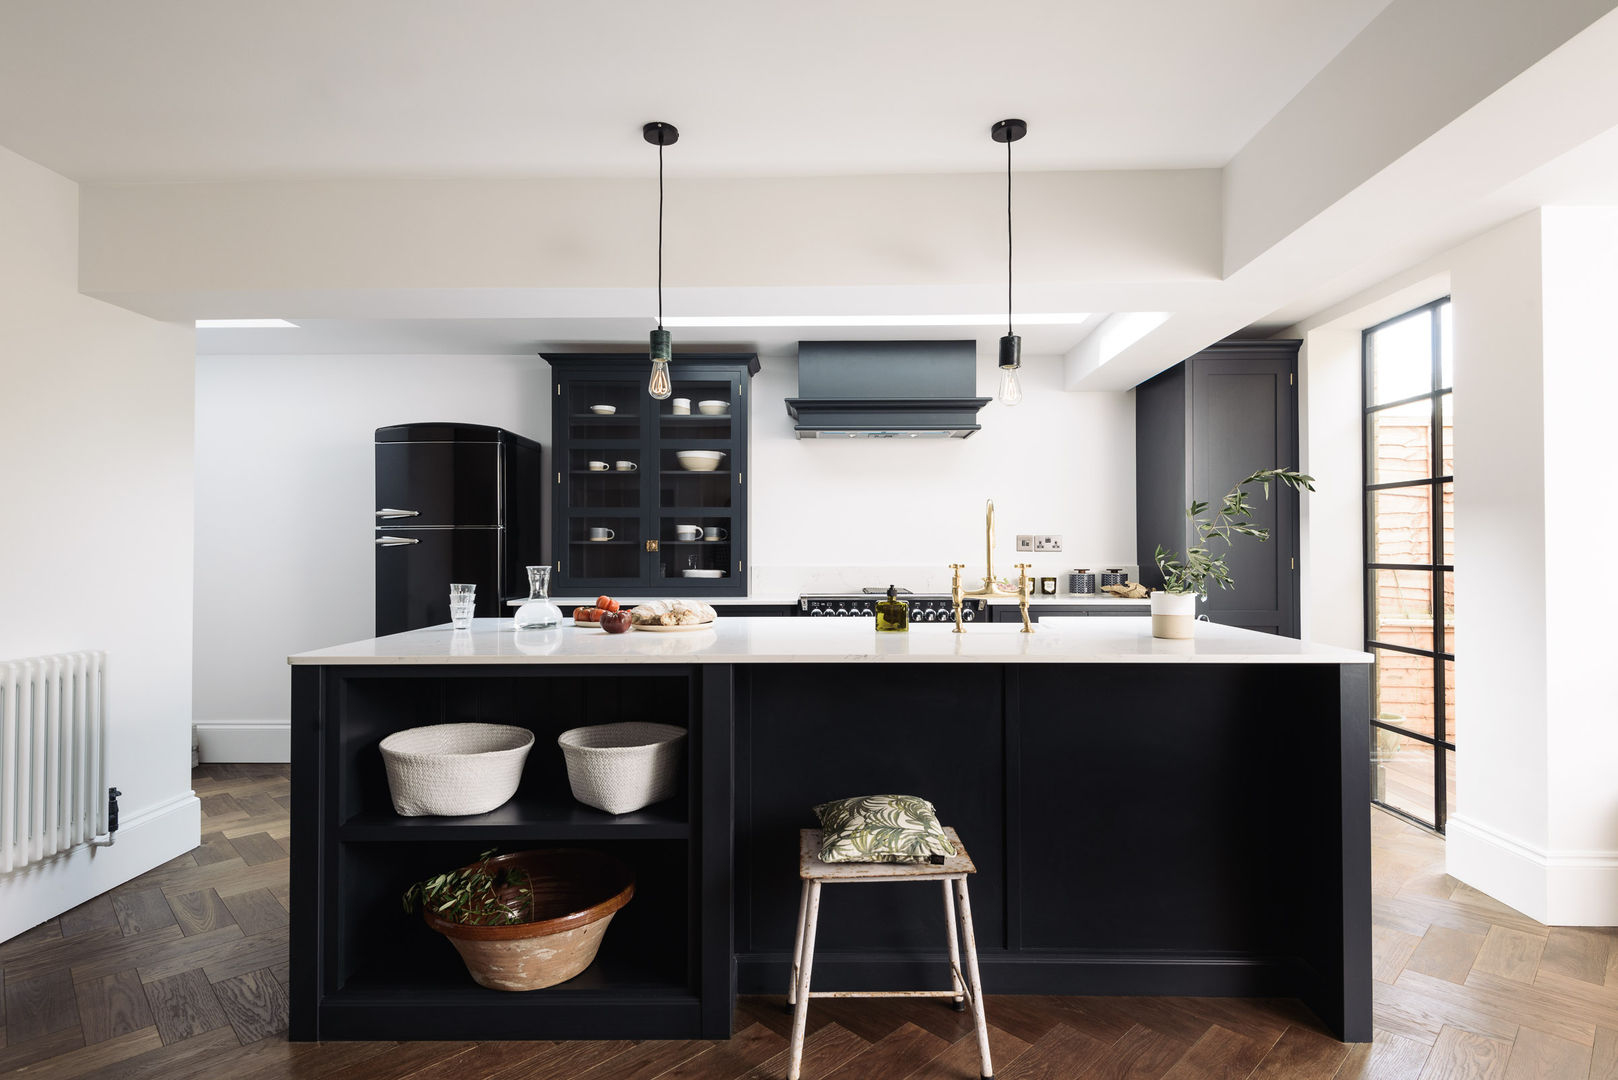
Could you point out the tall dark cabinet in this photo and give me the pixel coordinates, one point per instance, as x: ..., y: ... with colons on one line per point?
x: 622, y: 490
x: 1199, y: 427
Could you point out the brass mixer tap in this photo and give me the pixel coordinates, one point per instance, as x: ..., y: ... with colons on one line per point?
x: 955, y: 595
x: 1022, y: 595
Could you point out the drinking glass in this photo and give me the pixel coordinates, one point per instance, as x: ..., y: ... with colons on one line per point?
x: 462, y: 601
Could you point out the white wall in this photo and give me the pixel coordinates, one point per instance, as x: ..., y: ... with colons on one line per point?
x: 285, y: 510
x: 95, y: 549
x: 1331, y: 531
x: 1580, y: 253
x: 284, y: 494
x: 1536, y: 817
x: 1059, y: 462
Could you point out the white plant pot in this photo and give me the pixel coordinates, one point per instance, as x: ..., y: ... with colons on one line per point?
x: 1174, y: 615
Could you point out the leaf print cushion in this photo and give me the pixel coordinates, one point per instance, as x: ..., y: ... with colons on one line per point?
x: 882, y: 829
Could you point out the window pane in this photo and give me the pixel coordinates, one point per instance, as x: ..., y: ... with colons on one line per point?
x: 1447, y: 495
x: 1447, y: 433
x: 1402, y: 608
x: 1402, y: 358
x: 1403, y: 773
x: 1449, y: 701
x: 1450, y: 808
x: 1446, y: 346
x: 1403, y: 687
x: 1401, y: 525
x: 1401, y: 442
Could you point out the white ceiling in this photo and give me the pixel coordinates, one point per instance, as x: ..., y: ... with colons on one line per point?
x: 233, y: 89
x: 526, y: 337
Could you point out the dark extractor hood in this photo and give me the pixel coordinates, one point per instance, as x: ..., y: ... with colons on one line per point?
x: 886, y: 390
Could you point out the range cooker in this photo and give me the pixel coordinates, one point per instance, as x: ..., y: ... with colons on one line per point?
x: 924, y: 607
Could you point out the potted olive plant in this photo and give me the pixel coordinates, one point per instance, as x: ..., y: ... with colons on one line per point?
x: 1174, y: 608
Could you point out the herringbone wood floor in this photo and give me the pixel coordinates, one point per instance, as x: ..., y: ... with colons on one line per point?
x: 182, y: 972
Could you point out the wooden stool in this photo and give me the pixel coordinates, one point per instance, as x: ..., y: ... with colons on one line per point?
x: 953, y: 871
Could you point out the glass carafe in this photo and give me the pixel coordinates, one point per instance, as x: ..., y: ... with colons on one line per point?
x: 537, y: 612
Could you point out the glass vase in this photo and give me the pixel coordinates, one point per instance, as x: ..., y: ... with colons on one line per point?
x: 537, y: 612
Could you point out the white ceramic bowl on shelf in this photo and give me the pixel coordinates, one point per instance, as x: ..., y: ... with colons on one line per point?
x: 603, y: 410
x: 702, y: 573
x: 699, y: 460
x: 712, y: 408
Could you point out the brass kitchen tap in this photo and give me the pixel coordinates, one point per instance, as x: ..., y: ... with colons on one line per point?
x: 955, y: 595
x: 1022, y: 595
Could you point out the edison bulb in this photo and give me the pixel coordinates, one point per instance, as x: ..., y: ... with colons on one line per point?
x: 659, y: 386
x: 1010, y: 387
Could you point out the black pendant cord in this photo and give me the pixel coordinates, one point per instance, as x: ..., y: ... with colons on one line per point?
x: 660, y: 236
x: 1008, y: 237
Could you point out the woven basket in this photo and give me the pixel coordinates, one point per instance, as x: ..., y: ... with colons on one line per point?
x: 454, y: 769
x: 622, y: 767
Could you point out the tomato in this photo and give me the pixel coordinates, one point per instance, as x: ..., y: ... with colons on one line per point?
x: 616, y: 622
x: 606, y: 603
x: 587, y: 615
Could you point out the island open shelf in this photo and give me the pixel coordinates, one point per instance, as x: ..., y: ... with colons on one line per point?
x: 367, y: 970
x: 1147, y: 817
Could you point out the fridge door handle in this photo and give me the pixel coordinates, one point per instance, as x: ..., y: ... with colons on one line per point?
x: 395, y: 541
x: 386, y: 513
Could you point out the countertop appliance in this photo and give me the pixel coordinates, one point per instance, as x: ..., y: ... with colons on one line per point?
x: 924, y: 607
x: 454, y: 502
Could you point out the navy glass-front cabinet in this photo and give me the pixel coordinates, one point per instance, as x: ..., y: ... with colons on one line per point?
x: 650, y: 501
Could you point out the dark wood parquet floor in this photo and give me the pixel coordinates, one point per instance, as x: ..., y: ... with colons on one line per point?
x: 181, y: 973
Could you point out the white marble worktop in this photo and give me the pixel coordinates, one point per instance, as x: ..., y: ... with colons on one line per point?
x: 568, y: 603
x: 1075, y: 640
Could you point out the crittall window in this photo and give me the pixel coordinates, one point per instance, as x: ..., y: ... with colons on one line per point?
x: 1410, y: 556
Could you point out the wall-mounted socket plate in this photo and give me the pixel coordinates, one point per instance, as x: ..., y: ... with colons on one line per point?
x: 1039, y: 542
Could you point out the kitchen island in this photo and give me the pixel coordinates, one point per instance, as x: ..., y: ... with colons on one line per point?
x: 1147, y: 816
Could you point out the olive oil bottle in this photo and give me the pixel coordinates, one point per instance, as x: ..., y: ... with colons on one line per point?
x: 892, y: 614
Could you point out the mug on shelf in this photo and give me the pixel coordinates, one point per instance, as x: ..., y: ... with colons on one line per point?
x: 598, y: 532
x: 681, y: 406
x: 598, y: 466
x: 626, y: 466
x: 688, y: 532
x: 714, y: 532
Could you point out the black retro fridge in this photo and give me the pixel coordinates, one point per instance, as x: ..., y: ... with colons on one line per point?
x: 454, y: 503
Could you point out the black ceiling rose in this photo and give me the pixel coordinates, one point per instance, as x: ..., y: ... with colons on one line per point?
x: 660, y: 134
x: 1004, y: 131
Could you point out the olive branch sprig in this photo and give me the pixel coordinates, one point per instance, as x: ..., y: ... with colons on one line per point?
x: 472, y: 895
x: 1234, y: 517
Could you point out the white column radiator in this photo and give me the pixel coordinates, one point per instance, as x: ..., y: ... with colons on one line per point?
x: 53, y: 756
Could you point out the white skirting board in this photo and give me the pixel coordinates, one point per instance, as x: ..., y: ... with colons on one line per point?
x: 150, y: 838
x: 1558, y: 888
x: 245, y: 742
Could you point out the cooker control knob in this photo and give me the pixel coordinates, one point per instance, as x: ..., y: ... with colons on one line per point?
x: 968, y: 614
x: 817, y: 613
x: 842, y: 611
x: 867, y: 612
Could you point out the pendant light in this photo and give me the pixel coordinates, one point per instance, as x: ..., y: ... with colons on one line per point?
x: 1008, y: 132
x: 660, y: 135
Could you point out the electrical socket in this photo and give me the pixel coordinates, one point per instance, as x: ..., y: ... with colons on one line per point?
x: 1039, y: 542
x: 1025, y: 542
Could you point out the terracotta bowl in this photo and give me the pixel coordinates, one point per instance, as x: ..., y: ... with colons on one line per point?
x: 575, y: 894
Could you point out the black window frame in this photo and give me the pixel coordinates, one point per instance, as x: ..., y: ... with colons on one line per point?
x: 1439, y: 567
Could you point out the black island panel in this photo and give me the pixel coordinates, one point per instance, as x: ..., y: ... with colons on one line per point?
x: 1138, y: 829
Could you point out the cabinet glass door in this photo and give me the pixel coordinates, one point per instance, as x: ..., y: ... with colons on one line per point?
x: 601, y: 473
x: 698, y: 480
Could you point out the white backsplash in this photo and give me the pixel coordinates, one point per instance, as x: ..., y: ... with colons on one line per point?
x: 794, y: 580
